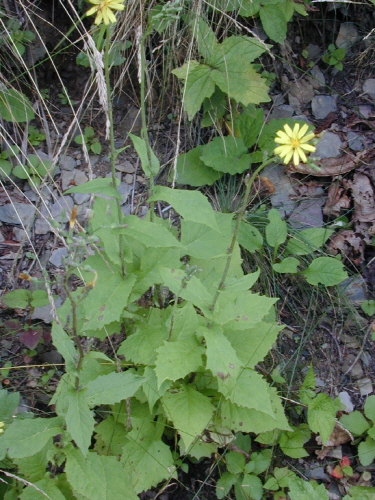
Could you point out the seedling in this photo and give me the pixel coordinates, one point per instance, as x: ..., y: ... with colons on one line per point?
x: 34, y: 171
x: 35, y: 136
x: 88, y: 138
x: 334, y: 57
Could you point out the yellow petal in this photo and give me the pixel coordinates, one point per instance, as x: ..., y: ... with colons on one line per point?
x: 282, y: 135
x: 280, y: 140
x: 111, y: 16
x: 303, y: 131
x: 302, y: 155
x: 308, y: 147
x: 307, y: 138
x: 95, y: 2
x: 92, y: 11
x: 288, y: 157
x: 283, y: 151
x: 99, y: 17
x: 296, y: 157
x: 295, y: 131
x: 288, y: 131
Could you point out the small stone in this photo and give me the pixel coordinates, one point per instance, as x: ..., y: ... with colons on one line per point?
x: 365, y: 110
x: 72, y: 178
x: 346, y: 401
x: 355, y: 141
x: 347, y: 37
x: 365, y: 386
x: 126, y: 167
x: 52, y: 357
x: 328, y: 146
x: 60, y: 210
x: 282, y: 111
x: 19, y: 234
x: 42, y: 226
x: 44, y: 313
x: 283, y: 188
x: 318, y: 80
x: 313, y: 51
x: 356, y: 372
x: 17, y: 212
x: 355, y: 289
x: 369, y: 87
x: 308, y: 213
x: 57, y: 256
x: 128, y: 179
x: 124, y: 189
x: 94, y: 159
x: 80, y: 198
x: 67, y: 162
x: 318, y: 474
x: 322, y: 105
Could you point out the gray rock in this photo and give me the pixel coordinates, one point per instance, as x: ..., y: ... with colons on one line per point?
x: 365, y: 386
x: 283, y: 188
x: 94, y: 159
x: 313, y: 51
x: 355, y: 289
x: 52, y: 357
x: 80, y: 198
x: 346, y: 401
x: 14, y: 214
x: 282, y: 111
x: 318, y: 474
x: 125, y: 190
x: 355, y: 141
x: 365, y: 110
x: 74, y: 177
x: 42, y: 226
x: 61, y: 209
x: 57, y: 256
x: 19, y: 234
x: 322, y: 105
x: 347, y: 37
x: 369, y: 87
x: 67, y: 162
x: 308, y: 213
x: 127, y: 167
x: 318, y: 80
x: 328, y: 146
x: 44, y: 313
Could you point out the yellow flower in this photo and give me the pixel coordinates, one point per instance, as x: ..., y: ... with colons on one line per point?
x: 1, y: 427
x: 103, y: 10
x: 294, y: 142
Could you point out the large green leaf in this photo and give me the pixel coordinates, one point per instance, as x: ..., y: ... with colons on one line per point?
x: 40, y: 490
x: 307, y: 241
x: 248, y: 125
x: 106, y: 301
x: 191, y: 169
x: 65, y: 345
x: 140, y: 347
x: 245, y: 308
x: 236, y: 51
x: 29, y: 436
x: 177, y: 359
x: 8, y: 403
x: 325, y: 270
x: 226, y: 154
x: 222, y: 359
x: 276, y: 229
x: 148, y: 462
x: 288, y: 265
x: 15, y: 106
x: 273, y: 22
x: 100, y: 186
x: 97, y: 477
x: 249, y: 237
x: 191, y: 205
x: 321, y: 416
x: 112, y: 388
x: 198, y: 85
x: 292, y: 442
x: 366, y: 451
x: 148, y: 233
x: 189, y: 410
x: 79, y: 420
x: 149, y: 161
x: 151, y: 387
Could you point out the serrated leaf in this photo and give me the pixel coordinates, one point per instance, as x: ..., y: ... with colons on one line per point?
x: 191, y: 205
x: 198, y: 449
x: 366, y: 451
x: 198, y: 85
x: 150, y: 166
x: 151, y: 389
x: 248, y: 125
x: 288, y: 265
x: 325, y: 270
x: 321, y: 416
x: 79, y: 420
x: 140, y: 347
x: 355, y: 422
x: 250, y: 487
x: 33, y: 468
x: 192, y: 171
x: 29, y: 434
x: 65, y: 346
x: 273, y: 22
x: 106, y: 301
x: 147, y: 463
x: 40, y: 490
x: 242, y: 284
x: 276, y: 230
x: 245, y: 308
x: 224, y: 484
x: 97, y: 477
x: 110, y: 436
x: 222, y: 359
x: 307, y: 241
x: 177, y: 359
x: 189, y: 410
x: 148, y: 233
x: 112, y: 388
x: 101, y: 186
x: 249, y: 237
x: 250, y: 391
x: 226, y: 154
x: 292, y: 442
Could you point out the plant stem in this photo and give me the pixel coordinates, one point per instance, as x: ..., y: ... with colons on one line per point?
x: 112, y: 141
x: 249, y: 181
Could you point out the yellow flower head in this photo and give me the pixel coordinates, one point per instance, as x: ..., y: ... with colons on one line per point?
x: 103, y: 10
x: 294, y: 143
x: 1, y: 427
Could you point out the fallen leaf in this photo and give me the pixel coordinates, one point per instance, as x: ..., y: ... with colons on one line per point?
x: 363, y: 196
x: 349, y: 244
x: 31, y: 337
x: 336, y: 201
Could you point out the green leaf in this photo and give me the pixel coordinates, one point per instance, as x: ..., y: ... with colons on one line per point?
x: 151, y: 389
x: 191, y: 205
x: 288, y: 265
x: 242, y: 284
x: 17, y: 299
x: 8, y: 403
x: 110, y: 436
x: 292, y: 443
x: 5, y: 168
x: 148, y: 462
x: 366, y: 451
x: 307, y: 390
x: 273, y: 22
x: 249, y: 237
x: 112, y: 388
x: 15, y: 107
x: 140, y: 347
x: 97, y: 477
x: 308, y: 241
x: 190, y: 412
x: 368, y: 307
x: 49, y: 488
x: 149, y: 233
x: 65, y: 345
x: 235, y: 462
x: 226, y: 154
x: 39, y: 298
x: 150, y: 166
x: 224, y: 484
x: 370, y: 408
x: 100, y: 186
x: 250, y: 391
x: 250, y: 487
x: 192, y: 171
x: 106, y: 301
x: 325, y: 270
x: 276, y: 230
x: 222, y: 359
x: 321, y: 416
x: 205, y: 37
x: 355, y: 422
x: 304, y: 490
x: 198, y: 85
x: 243, y: 308
x: 79, y: 420
x: 29, y: 434
x: 259, y: 462
x: 248, y: 125
x: 177, y: 359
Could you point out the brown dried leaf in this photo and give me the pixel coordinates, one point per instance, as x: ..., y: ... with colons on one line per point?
x: 336, y: 201
x: 349, y: 244
x: 363, y: 195
x: 339, y: 436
